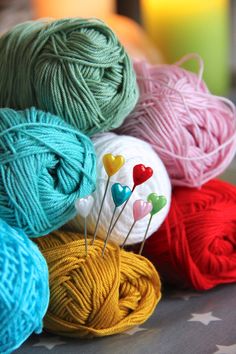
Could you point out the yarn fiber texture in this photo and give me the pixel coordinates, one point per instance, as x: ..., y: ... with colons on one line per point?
x: 193, y: 131
x: 74, y: 68
x: 24, y: 288
x: 135, y: 152
x: 95, y: 295
x: 45, y: 165
x: 196, y: 246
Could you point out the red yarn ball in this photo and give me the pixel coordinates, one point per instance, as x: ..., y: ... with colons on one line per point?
x: 196, y: 246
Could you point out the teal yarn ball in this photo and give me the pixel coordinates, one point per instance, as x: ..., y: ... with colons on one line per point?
x: 74, y: 68
x: 24, y: 288
x: 45, y: 165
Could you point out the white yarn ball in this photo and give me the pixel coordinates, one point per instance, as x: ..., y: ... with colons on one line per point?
x: 135, y: 151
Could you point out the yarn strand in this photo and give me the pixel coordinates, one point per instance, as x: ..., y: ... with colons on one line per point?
x: 196, y: 245
x: 136, y: 152
x: 193, y: 131
x: 45, y: 165
x: 94, y: 295
x: 74, y: 68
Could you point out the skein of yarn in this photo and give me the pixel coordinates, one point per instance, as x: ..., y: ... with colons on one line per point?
x: 193, y: 131
x: 196, y: 246
x: 95, y: 295
x: 24, y: 288
x: 135, y: 151
x: 74, y: 68
x: 45, y: 165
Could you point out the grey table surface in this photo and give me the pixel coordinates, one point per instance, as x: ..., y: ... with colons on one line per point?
x: 185, y: 322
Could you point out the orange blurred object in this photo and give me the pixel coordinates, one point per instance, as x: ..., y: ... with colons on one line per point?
x: 73, y: 8
x: 131, y: 35
x: 134, y: 39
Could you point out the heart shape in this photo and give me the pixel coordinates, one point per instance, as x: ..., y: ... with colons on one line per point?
x: 120, y: 193
x: 141, y: 208
x: 83, y: 206
x: 112, y: 164
x: 158, y: 202
x: 141, y: 174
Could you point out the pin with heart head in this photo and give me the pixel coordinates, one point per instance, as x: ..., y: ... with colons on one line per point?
x: 140, y: 175
x: 83, y: 207
x: 119, y: 195
x: 141, y: 208
x: 112, y: 165
x: 158, y: 202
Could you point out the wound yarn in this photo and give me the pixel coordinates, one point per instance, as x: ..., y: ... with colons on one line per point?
x: 196, y: 245
x: 45, y: 165
x: 193, y: 131
x: 75, y: 68
x: 135, y: 151
x: 94, y: 295
x: 24, y: 288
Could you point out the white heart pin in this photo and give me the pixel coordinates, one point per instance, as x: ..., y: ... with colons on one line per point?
x: 84, y: 206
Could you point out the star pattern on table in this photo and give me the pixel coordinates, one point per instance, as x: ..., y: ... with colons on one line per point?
x: 134, y: 330
x: 184, y: 295
x: 49, y: 342
x: 204, y: 318
x: 226, y: 349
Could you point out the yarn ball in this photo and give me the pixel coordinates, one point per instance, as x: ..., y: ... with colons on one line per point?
x: 196, y: 246
x: 45, y: 165
x: 135, y: 152
x: 24, y: 289
x: 193, y: 131
x: 95, y: 295
x: 74, y: 68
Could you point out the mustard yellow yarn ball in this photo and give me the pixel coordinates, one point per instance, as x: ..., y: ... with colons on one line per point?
x: 95, y: 295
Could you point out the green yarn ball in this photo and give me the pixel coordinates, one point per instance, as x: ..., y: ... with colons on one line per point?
x: 45, y: 165
x: 74, y: 68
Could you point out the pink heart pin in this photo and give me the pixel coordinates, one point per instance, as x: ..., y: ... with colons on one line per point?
x: 141, y: 208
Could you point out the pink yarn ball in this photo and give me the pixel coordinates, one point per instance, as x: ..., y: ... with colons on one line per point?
x: 193, y: 131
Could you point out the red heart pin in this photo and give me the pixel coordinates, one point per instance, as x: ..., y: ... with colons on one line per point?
x: 141, y: 174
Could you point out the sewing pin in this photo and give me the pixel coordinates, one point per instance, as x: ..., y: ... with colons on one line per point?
x: 158, y: 202
x: 112, y: 165
x: 119, y: 195
x: 141, y: 208
x: 83, y: 207
x: 140, y: 175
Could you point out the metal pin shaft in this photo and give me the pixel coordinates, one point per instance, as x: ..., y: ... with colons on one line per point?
x: 100, y: 211
x: 130, y: 230
x: 108, y: 232
x: 145, y: 236
x: 85, y: 236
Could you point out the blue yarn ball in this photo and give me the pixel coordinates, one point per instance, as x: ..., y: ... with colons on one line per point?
x: 24, y: 288
x: 45, y: 165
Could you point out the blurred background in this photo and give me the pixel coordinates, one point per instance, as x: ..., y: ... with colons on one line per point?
x: 162, y: 31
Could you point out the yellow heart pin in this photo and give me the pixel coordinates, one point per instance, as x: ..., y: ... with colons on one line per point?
x: 112, y: 164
